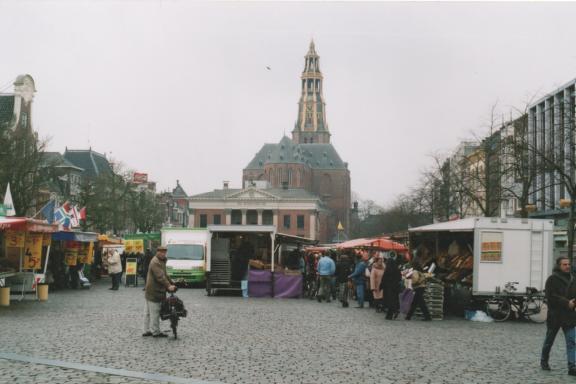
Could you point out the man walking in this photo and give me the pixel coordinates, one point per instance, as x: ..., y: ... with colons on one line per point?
x: 358, y: 278
x: 157, y: 283
x: 561, y: 294
x: 326, y: 269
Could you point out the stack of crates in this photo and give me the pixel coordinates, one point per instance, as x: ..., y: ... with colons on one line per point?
x: 434, y: 298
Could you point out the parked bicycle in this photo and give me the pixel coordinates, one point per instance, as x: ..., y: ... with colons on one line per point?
x: 530, y: 305
x: 172, y: 309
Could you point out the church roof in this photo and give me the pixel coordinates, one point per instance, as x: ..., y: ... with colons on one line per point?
x: 55, y: 159
x: 178, y: 191
x: 317, y: 156
x: 6, y: 109
x: 93, y: 163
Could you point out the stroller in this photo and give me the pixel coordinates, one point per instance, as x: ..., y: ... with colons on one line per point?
x: 172, y: 309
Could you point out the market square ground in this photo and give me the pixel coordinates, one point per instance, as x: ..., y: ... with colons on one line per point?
x: 235, y: 340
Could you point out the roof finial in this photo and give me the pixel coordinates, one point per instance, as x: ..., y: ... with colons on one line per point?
x: 312, y: 48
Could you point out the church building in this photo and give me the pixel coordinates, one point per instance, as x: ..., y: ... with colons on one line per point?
x: 306, y: 165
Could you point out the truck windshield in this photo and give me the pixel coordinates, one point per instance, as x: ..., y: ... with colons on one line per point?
x: 185, y: 252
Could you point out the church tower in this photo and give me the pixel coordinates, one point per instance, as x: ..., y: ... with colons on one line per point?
x: 311, y: 126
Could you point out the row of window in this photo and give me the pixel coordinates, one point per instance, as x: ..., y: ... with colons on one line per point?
x: 266, y: 220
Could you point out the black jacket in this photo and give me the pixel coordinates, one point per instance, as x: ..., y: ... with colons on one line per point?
x: 392, y: 276
x: 343, y: 270
x: 560, y: 289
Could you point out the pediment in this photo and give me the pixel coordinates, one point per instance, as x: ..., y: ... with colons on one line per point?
x: 252, y: 194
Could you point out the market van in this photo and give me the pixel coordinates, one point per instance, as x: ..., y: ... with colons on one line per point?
x: 186, y: 254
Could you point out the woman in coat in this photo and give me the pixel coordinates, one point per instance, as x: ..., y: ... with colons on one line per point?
x: 115, y: 269
x: 376, y: 275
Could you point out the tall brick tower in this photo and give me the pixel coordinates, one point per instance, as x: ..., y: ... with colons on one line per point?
x: 311, y: 126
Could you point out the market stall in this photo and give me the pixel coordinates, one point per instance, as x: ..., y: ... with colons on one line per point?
x: 382, y: 244
x: 72, y: 259
x: 105, y: 246
x: 24, y: 253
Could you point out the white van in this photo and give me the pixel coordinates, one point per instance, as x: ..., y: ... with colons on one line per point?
x: 186, y: 253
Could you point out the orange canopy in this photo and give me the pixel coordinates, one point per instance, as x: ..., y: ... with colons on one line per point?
x: 381, y: 243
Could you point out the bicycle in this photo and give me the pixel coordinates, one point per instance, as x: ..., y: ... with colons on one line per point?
x: 173, y: 309
x: 531, y: 305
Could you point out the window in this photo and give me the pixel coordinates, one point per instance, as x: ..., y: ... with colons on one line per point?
x: 217, y: 219
x: 286, y: 221
x: 300, y: 221
x: 203, y: 221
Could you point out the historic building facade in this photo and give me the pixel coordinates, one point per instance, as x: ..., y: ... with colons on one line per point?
x: 308, y: 160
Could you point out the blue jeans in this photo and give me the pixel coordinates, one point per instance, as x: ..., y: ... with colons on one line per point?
x: 360, y: 294
x: 569, y: 335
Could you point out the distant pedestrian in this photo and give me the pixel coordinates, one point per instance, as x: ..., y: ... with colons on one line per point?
x: 326, y: 269
x: 376, y: 275
x: 358, y: 278
x: 391, y: 287
x: 561, y: 294
x: 419, y: 286
x: 343, y: 270
x: 157, y: 283
x: 146, y: 263
x: 115, y: 269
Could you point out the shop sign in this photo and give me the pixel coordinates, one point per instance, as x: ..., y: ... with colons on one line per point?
x: 71, y: 256
x: 129, y: 246
x: 33, y: 251
x: 138, y: 246
x: 491, y: 247
x: 15, y: 239
x: 131, y: 266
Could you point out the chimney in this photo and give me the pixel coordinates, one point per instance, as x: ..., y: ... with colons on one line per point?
x: 226, y: 182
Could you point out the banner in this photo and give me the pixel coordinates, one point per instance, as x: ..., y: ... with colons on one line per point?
x: 46, y: 239
x: 138, y: 246
x: 15, y: 239
x: 83, y: 253
x: 129, y: 246
x: 33, y: 251
x: 71, y: 249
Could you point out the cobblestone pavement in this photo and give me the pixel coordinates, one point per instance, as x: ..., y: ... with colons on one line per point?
x: 236, y: 340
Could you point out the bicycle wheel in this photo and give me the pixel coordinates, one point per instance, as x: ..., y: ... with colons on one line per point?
x: 498, y: 309
x: 537, y: 310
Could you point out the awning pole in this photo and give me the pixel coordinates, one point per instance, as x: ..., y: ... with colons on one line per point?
x: 46, y: 262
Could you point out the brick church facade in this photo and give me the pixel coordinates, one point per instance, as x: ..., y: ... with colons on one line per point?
x: 299, y: 184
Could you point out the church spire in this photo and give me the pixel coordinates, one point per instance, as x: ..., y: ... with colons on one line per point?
x: 311, y: 124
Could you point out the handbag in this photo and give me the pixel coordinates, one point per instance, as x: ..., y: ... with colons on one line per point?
x: 406, y: 298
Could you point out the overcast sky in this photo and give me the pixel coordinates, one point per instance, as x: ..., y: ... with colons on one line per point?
x: 181, y: 91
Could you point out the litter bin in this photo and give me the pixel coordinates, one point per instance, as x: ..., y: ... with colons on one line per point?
x: 42, y: 292
x: 4, y: 296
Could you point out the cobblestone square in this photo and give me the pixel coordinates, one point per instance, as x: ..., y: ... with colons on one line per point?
x: 236, y: 340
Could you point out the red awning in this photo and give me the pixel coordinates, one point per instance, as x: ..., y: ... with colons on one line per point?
x: 379, y: 243
x: 26, y: 224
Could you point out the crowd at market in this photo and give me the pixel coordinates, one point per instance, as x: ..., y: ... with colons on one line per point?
x: 373, y: 278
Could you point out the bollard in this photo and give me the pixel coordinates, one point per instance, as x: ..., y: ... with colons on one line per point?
x: 4, y: 296
x: 42, y: 292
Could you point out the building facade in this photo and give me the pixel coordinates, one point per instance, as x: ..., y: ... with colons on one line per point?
x: 308, y: 160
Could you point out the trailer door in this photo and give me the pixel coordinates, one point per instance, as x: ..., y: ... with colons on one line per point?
x: 537, y: 260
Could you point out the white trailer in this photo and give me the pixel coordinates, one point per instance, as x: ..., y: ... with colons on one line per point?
x: 186, y: 253
x: 504, y: 249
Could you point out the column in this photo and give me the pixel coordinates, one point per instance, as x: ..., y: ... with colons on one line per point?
x: 228, y: 216
x: 275, y: 218
x: 191, y: 218
x: 244, y: 217
x: 259, y: 217
x: 313, y: 225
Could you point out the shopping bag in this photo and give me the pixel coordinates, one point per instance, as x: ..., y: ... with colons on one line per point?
x: 406, y: 298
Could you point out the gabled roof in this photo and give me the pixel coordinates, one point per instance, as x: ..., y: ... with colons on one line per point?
x: 55, y: 159
x: 257, y: 194
x: 316, y: 156
x: 178, y: 191
x: 93, y: 163
x: 6, y: 109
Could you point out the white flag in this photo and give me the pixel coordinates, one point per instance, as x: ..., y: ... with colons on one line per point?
x: 8, y: 203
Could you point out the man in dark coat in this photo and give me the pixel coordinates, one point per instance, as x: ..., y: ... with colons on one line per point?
x: 391, y: 287
x: 157, y: 283
x: 561, y: 296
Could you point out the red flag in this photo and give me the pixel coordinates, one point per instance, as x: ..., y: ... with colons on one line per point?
x: 66, y: 206
x: 83, y: 213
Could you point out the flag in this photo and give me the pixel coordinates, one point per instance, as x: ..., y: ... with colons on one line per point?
x: 8, y: 203
x: 48, y: 211
x: 74, y: 216
x: 60, y: 215
x: 66, y: 207
x: 83, y: 214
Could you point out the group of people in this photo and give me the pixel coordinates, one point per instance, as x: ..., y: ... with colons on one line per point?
x: 116, y: 265
x: 369, y: 276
